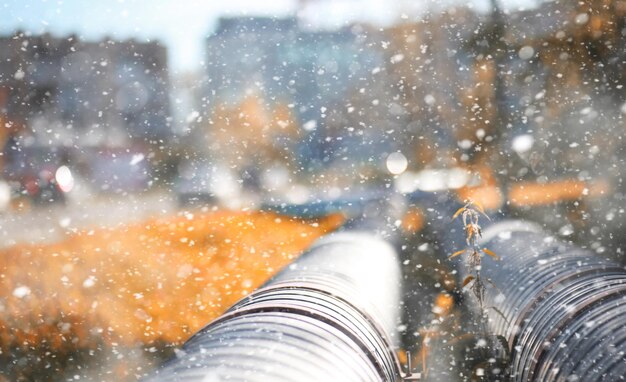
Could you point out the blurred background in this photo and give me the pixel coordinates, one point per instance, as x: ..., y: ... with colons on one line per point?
x: 125, y: 122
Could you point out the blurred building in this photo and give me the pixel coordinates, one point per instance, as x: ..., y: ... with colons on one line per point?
x: 92, y: 105
x: 312, y: 73
x: 65, y: 91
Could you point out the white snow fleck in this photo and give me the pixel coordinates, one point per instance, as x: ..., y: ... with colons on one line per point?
x: 65, y: 327
x: 310, y: 125
x: 522, y: 143
x: 193, y: 116
x: 397, y: 58
x: 581, y: 18
x: 21, y: 291
x: 526, y: 52
x: 89, y: 282
x: 137, y: 158
x: 465, y: 144
x: 566, y: 230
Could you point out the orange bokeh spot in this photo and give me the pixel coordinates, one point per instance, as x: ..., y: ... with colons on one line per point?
x: 536, y: 194
x: 413, y: 220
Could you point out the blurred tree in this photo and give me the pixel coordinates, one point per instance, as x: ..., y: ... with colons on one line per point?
x: 252, y: 135
x: 485, y: 104
x: 9, y: 127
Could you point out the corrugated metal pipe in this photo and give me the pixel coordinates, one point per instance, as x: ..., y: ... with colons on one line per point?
x: 561, y: 309
x: 329, y: 316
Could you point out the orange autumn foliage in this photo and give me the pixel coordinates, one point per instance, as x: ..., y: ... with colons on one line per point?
x: 158, y: 281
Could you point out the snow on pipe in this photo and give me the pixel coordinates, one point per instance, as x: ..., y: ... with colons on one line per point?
x: 331, y: 315
x: 562, y: 309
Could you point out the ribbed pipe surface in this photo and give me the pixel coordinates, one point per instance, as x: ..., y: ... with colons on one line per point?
x: 563, y: 309
x: 329, y: 316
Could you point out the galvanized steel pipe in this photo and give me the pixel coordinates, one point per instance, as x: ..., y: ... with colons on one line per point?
x: 562, y: 309
x: 330, y: 316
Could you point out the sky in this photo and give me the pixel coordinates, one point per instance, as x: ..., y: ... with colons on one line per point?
x: 182, y: 25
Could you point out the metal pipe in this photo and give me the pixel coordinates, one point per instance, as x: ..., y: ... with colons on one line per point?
x: 331, y: 315
x: 562, y: 309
